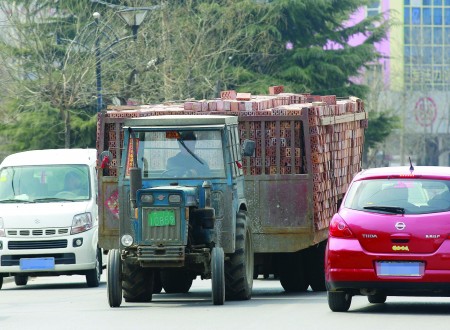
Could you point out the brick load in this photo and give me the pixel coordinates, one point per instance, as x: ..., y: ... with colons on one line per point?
x: 295, y: 134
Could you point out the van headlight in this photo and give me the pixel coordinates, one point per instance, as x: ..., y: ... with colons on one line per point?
x: 126, y: 240
x: 81, y: 222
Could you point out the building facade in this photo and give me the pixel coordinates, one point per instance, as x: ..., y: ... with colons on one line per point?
x: 413, y: 79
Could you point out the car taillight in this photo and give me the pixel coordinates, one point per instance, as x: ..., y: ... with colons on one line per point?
x: 338, y: 228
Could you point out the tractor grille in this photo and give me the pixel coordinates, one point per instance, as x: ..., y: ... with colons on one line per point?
x: 161, y: 235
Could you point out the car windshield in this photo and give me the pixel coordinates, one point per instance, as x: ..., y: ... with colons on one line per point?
x: 180, y: 154
x: 44, y: 183
x: 408, y: 196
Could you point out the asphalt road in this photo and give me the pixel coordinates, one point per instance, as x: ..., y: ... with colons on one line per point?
x: 66, y: 303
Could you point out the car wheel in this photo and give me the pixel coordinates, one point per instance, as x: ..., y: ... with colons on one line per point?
x: 339, y: 301
x: 377, y: 298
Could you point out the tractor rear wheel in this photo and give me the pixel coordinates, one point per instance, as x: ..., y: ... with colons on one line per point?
x: 137, y: 283
x: 239, y: 265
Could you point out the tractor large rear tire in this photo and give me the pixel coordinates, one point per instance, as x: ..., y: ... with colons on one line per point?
x: 176, y: 281
x: 239, y: 265
x: 137, y: 283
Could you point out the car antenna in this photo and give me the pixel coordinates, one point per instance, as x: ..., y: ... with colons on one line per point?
x: 411, y: 167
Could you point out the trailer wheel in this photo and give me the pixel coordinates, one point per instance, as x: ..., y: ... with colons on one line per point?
x: 239, y: 266
x: 93, y: 275
x: 113, y: 283
x: 176, y: 281
x: 293, y: 275
x: 339, y: 301
x: 137, y: 283
x: 218, y: 276
x: 157, y: 284
x: 316, y: 266
x: 21, y: 280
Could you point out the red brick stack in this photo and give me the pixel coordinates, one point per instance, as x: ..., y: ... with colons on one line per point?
x: 294, y: 134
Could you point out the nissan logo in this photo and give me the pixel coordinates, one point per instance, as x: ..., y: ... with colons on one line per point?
x: 400, y: 225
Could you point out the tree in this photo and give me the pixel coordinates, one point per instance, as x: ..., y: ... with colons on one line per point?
x: 185, y: 49
x: 45, y: 72
x: 310, y: 47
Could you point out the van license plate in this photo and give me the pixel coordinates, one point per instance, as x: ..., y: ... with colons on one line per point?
x: 37, y: 263
x: 161, y: 218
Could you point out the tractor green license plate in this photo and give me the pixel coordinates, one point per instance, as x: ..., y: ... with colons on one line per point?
x: 161, y: 218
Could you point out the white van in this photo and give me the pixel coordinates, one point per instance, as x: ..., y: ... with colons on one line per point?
x: 48, y: 215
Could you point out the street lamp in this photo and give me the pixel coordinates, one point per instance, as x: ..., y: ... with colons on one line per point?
x: 133, y: 17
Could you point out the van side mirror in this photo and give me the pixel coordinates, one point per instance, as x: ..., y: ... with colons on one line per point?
x: 248, y: 147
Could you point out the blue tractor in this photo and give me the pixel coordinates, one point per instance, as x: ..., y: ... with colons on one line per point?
x: 181, y: 209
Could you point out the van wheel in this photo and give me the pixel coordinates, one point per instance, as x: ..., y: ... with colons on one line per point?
x: 21, y: 280
x: 1, y: 281
x: 239, y: 266
x: 93, y: 275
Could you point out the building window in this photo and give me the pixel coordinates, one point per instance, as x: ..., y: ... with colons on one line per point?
x: 374, y: 8
x: 426, y: 44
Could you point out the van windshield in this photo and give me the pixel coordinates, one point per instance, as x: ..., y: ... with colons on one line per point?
x: 44, y: 183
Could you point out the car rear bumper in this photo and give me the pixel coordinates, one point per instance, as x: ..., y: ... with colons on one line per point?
x: 349, y: 267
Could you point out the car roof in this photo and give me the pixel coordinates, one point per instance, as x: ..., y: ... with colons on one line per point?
x: 442, y: 172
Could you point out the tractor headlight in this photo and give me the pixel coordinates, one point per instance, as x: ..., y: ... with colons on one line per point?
x: 147, y: 198
x: 126, y: 240
x: 175, y: 199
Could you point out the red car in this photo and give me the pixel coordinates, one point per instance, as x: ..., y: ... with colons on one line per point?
x: 390, y: 237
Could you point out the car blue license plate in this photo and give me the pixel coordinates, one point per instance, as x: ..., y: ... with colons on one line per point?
x: 37, y: 263
x: 400, y: 268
